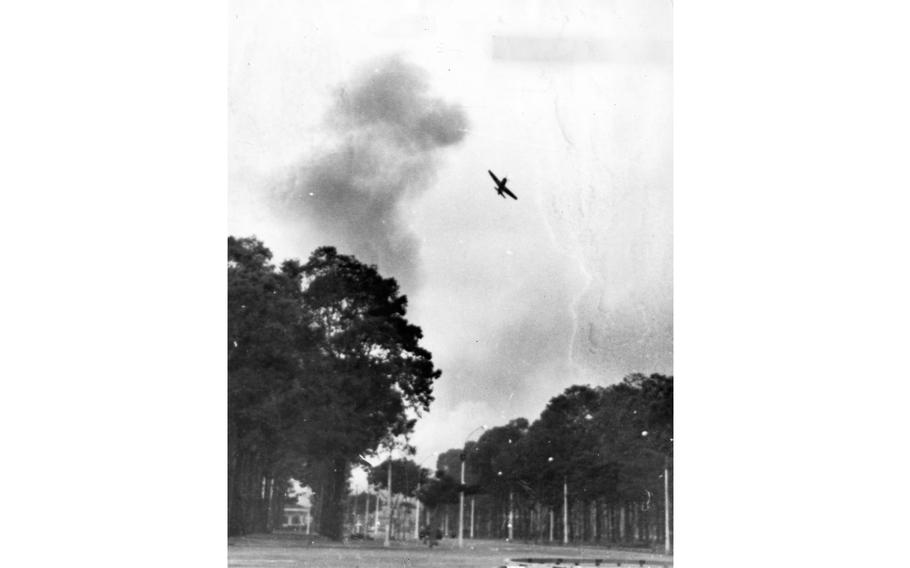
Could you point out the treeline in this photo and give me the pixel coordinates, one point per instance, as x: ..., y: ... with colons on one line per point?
x: 591, y: 468
x: 322, y: 366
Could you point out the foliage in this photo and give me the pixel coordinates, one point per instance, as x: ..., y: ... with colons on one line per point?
x: 442, y: 489
x: 608, y: 445
x: 322, y: 366
x: 407, y: 476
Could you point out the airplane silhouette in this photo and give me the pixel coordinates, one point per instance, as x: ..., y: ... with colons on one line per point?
x: 501, y: 186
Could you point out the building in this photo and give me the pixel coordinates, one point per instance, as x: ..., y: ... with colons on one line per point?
x: 297, y: 517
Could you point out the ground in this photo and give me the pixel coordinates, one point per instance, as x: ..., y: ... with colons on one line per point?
x: 300, y: 551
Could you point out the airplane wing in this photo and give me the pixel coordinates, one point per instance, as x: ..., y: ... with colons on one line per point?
x: 512, y: 195
x: 492, y: 175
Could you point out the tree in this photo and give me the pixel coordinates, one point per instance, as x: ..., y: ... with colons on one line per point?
x: 322, y: 365
x: 441, y: 489
x: 590, y: 439
x: 375, y: 375
x: 263, y: 332
x: 496, y: 466
x: 647, y: 445
x: 406, y: 476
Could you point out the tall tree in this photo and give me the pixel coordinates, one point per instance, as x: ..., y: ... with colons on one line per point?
x: 376, y: 376
x: 322, y: 365
x: 607, y: 445
x: 263, y: 333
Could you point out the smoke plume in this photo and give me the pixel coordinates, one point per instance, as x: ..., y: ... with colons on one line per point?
x: 386, y: 132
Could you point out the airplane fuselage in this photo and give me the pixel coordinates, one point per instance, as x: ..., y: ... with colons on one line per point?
x: 501, y: 188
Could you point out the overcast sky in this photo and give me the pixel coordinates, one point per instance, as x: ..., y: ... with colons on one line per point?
x: 372, y: 129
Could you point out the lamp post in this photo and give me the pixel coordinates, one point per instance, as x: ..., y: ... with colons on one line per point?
x: 366, y: 510
x: 666, y: 505
x: 511, y: 518
x: 461, y: 490
x: 376, y: 513
x: 511, y: 534
x: 565, y: 510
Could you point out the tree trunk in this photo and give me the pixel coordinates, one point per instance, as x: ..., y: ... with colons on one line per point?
x: 334, y: 492
x: 235, y: 506
x: 608, y: 523
x: 266, y: 503
x: 276, y: 507
x: 376, y: 514
x: 622, y: 522
x: 551, y: 524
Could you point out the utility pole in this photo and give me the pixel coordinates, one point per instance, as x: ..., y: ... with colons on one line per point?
x: 461, y: 506
x: 366, y: 511
x: 388, y: 526
x: 565, y: 511
x: 376, y: 514
x: 666, y: 458
x: 666, y: 505
x: 461, y: 491
x: 511, y: 532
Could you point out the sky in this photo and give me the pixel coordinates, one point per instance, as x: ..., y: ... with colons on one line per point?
x: 371, y: 129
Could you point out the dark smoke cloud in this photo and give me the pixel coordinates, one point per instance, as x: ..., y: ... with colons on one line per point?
x: 388, y: 133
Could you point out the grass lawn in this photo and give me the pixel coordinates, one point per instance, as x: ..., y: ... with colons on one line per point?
x: 287, y: 550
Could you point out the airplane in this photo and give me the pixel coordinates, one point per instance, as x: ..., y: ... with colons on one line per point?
x: 501, y: 186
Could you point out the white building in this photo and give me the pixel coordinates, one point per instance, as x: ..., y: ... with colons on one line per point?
x: 297, y: 516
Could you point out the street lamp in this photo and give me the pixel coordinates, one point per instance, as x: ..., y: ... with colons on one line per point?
x: 565, y: 508
x: 461, y: 489
x: 511, y: 532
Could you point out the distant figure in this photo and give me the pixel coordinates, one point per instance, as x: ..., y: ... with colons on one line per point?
x: 430, y: 536
x: 501, y: 186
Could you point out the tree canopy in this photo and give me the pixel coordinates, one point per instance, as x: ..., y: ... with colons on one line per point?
x: 322, y: 365
x: 608, y: 446
x: 407, y: 476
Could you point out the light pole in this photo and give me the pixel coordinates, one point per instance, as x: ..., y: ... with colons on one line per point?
x: 376, y: 513
x: 461, y: 490
x: 511, y: 534
x: 511, y: 518
x: 366, y: 510
x: 565, y: 510
x: 666, y: 505
x: 388, y: 525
